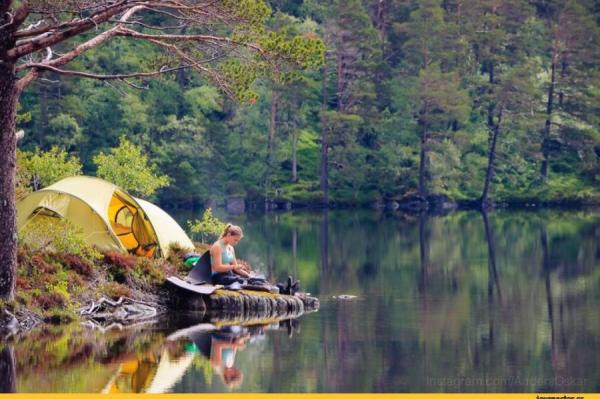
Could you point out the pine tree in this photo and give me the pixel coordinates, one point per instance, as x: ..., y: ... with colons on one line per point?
x: 438, y: 102
x: 572, y: 55
x: 348, y: 82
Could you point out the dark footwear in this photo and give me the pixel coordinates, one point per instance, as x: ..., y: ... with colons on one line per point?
x: 290, y: 288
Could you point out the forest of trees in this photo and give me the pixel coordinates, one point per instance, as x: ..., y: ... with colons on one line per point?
x: 477, y: 100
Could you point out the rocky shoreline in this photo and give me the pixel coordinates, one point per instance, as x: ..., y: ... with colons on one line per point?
x: 122, y: 290
x: 435, y: 204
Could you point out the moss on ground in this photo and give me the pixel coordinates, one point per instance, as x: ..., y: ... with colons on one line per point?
x: 54, y: 286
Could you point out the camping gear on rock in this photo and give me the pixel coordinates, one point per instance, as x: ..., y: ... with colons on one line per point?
x: 201, y: 273
x: 290, y: 287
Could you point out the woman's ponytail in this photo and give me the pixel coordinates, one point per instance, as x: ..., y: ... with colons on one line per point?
x: 232, y: 230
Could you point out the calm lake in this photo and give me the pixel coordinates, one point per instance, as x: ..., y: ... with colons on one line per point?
x: 503, y: 302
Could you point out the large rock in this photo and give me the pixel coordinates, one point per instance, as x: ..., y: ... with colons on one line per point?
x: 241, y: 304
x: 435, y: 203
x: 235, y: 205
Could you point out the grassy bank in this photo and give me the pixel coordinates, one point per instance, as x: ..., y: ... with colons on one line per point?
x: 52, y: 286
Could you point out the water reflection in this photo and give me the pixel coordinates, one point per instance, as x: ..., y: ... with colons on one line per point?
x: 133, y: 360
x: 469, y: 302
x: 7, y: 370
x: 203, y: 346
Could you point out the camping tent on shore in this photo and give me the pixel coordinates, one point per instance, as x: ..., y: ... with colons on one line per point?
x: 109, y: 217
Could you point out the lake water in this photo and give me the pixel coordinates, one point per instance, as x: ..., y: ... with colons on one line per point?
x: 503, y: 302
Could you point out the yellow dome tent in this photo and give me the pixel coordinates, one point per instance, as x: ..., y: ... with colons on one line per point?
x: 110, y: 218
x: 167, y: 229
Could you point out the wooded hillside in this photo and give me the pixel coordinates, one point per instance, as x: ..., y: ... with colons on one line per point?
x: 474, y: 99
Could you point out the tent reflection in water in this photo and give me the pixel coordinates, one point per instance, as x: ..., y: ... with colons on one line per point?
x: 200, y: 346
x: 109, y: 217
x: 150, y: 374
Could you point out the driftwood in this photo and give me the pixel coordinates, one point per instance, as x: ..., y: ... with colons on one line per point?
x: 28, y: 319
x: 8, y: 323
x: 125, y: 310
x: 95, y: 325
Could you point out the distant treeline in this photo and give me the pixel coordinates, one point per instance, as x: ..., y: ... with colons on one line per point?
x: 473, y: 99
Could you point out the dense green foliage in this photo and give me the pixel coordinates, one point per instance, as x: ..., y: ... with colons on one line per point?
x: 129, y: 169
x: 410, y: 98
x: 42, y: 168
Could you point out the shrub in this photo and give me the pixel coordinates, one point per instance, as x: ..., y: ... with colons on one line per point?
x: 22, y: 283
x: 129, y: 168
x: 55, y: 235
x: 121, y: 260
x: 50, y: 300
x: 42, y: 168
x: 149, y: 271
x: 78, y: 264
x: 40, y: 264
x: 207, y: 228
x: 59, y: 316
x: 75, y: 282
x: 119, y: 265
x: 115, y: 290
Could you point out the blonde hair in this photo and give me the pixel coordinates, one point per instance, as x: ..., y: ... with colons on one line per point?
x: 232, y: 230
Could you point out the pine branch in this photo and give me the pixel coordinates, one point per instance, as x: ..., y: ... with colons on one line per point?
x: 50, y: 38
x: 78, y: 50
x: 121, y: 76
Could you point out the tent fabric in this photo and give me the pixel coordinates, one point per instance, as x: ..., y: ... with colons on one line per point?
x: 77, y: 211
x: 169, y: 231
x: 110, y: 218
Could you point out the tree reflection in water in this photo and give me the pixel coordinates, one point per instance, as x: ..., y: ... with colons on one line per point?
x: 8, y: 380
x: 469, y: 302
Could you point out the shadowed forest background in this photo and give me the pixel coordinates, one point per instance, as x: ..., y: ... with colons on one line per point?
x: 473, y: 99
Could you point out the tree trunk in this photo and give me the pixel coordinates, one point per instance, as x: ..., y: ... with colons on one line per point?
x: 341, y: 81
x: 294, y: 157
x: 380, y: 24
x: 324, y: 178
x: 563, y: 74
x: 485, y: 200
x: 182, y: 77
x: 43, y: 126
x: 423, y: 254
x: 546, y: 135
x: 493, y: 279
x: 423, y: 165
x: 546, y: 271
x: 324, y: 250
x: 295, y: 252
x: 8, y: 161
x: 271, y: 141
x: 273, y: 125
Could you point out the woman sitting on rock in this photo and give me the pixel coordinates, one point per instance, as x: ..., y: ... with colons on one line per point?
x: 225, y: 268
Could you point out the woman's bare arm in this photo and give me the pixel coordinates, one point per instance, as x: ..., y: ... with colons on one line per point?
x: 237, y: 268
